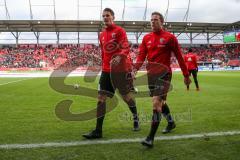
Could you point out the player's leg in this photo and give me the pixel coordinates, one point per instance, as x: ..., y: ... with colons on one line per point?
x: 105, y: 90
x: 156, y: 118
x: 194, y: 73
x: 156, y: 88
x: 129, y: 99
x: 124, y: 84
x: 165, y: 83
x: 101, y: 110
x: 190, y: 72
x: 166, y: 113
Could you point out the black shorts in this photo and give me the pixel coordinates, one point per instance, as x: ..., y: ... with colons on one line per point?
x: 109, y: 82
x: 193, y: 72
x: 159, y: 85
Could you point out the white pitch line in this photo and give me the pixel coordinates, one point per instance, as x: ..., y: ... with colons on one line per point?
x: 114, y: 141
x: 2, y: 84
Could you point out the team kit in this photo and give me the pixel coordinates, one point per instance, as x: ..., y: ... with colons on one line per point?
x: 119, y: 72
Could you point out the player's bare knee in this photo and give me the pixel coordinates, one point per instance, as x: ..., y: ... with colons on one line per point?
x: 127, y: 97
x: 155, y: 100
x: 157, y: 103
x: 157, y: 108
x: 102, y: 98
x: 164, y: 102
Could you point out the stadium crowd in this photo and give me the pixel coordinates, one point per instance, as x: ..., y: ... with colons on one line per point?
x: 33, y: 56
x: 220, y: 52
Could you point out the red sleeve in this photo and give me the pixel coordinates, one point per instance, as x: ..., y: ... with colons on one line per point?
x: 123, y: 42
x: 142, y: 53
x: 195, y: 61
x: 101, y: 46
x: 177, y: 51
x: 185, y: 58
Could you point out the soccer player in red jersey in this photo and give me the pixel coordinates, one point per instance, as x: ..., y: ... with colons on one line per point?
x: 157, y: 46
x: 191, y: 62
x: 238, y: 37
x: 116, y: 66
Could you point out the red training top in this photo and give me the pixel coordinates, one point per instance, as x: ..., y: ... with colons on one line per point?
x: 191, y: 61
x: 157, y: 47
x: 113, y: 42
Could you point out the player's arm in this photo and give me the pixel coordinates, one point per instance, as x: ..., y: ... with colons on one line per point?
x: 185, y: 58
x: 195, y: 62
x: 122, y: 41
x: 122, y: 57
x: 177, y: 51
x: 101, y: 46
x: 142, y: 53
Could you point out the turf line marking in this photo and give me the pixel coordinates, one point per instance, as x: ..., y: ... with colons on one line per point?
x: 114, y: 141
x: 2, y: 84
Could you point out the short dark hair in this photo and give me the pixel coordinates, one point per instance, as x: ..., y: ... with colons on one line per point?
x: 190, y: 50
x: 159, y: 14
x: 109, y: 10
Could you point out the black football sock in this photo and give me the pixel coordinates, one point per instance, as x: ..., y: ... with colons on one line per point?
x: 101, y: 110
x: 196, y: 83
x: 156, y: 118
x: 166, y: 113
x: 132, y: 106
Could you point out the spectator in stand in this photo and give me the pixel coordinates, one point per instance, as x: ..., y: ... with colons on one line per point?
x: 16, y: 57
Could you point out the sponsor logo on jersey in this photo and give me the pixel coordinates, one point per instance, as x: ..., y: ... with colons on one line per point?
x: 189, y: 59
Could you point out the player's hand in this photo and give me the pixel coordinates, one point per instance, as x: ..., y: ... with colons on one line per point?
x: 187, y: 81
x: 134, y: 73
x: 116, y: 60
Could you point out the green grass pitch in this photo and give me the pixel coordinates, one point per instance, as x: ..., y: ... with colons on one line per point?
x: 27, y: 116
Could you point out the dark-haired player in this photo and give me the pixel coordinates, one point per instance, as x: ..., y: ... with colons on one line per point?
x: 116, y: 64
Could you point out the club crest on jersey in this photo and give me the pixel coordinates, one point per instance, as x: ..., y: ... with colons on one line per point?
x: 113, y: 35
x: 161, y: 40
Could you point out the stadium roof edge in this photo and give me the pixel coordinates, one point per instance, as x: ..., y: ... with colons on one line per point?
x: 95, y: 26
